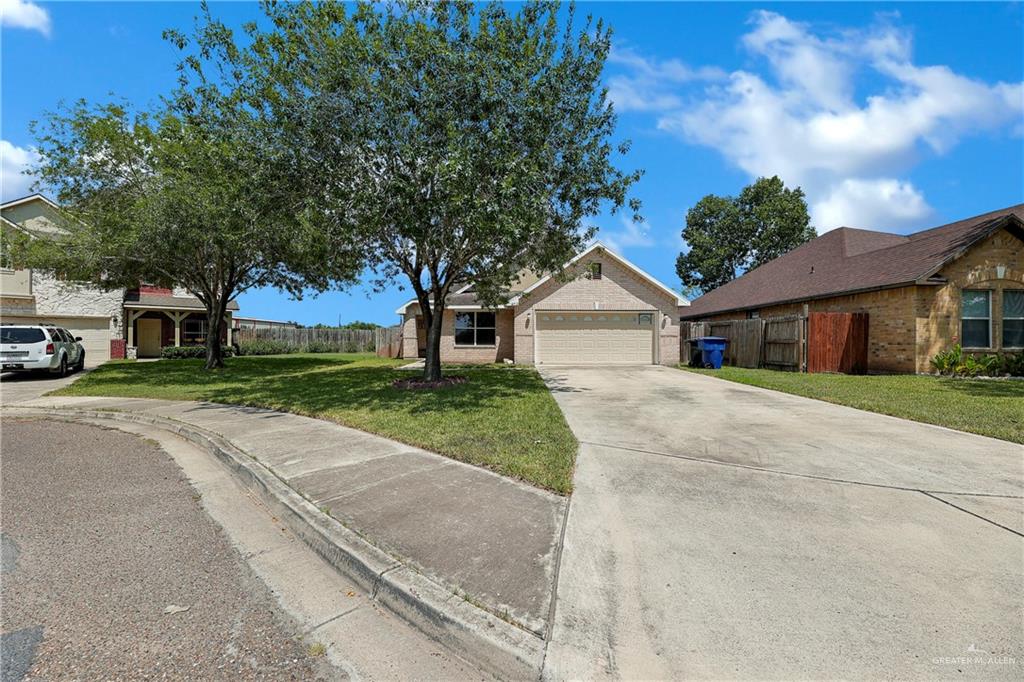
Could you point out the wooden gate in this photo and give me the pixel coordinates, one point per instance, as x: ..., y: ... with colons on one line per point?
x: 837, y: 342
x: 784, y: 343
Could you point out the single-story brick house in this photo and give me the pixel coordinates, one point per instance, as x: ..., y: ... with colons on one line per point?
x: 957, y: 283
x: 605, y: 310
x: 145, y: 317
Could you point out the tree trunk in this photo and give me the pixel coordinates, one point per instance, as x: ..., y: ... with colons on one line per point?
x: 432, y: 363
x: 214, y: 323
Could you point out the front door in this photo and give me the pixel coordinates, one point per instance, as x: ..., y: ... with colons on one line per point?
x: 149, y: 337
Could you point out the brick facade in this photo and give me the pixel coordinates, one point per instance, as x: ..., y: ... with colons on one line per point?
x: 908, y: 325
x: 618, y: 289
x: 995, y: 264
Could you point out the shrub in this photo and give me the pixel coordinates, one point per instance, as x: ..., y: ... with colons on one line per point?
x: 1013, y: 364
x: 954, y: 362
x: 321, y: 347
x: 263, y: 347
x: 186, y: 352
x: 947, y: 361
x: 981, y: 365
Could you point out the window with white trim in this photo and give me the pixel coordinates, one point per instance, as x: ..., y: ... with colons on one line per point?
x: 193, y: 331
x: 976, y: 318
x: 475, y: 329
x: 1013, y: 318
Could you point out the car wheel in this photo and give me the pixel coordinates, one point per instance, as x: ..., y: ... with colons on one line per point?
x: 63, y: 371
x: 80, y: 365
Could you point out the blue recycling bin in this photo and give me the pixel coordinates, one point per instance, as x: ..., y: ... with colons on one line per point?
x: 712, y: 348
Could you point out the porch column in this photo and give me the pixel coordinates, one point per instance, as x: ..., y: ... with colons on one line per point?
x: 176, y: 317
x: 228, y: 320
x: 133, y: 315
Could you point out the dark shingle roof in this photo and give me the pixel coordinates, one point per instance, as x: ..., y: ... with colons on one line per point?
x: 160, y: 301
x: 847, y: 260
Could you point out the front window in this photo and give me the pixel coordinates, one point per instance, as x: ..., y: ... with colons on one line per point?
x: 194, y: 331
x: 475, y: 329
x: 1013, y: 318
x: 976, y: 319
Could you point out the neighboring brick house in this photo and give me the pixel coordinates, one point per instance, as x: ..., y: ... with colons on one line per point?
x: 604, y: 310
x: 108, y: 321
x: 958, y: 283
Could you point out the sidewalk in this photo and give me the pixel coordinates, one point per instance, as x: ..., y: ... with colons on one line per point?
x: 486, y: 538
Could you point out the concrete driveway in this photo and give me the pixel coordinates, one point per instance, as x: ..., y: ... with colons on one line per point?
x: 19, y: 387
x: 724, y: 531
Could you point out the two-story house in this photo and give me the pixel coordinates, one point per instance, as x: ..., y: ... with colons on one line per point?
x: 146, y: 318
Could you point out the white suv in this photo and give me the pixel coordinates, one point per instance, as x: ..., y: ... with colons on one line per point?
x: 25, y: 348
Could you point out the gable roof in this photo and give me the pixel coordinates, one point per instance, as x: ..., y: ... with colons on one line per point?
x: 466, y: 299
x: 29, y: 199
x: 849, y: 260
x: 599, y: 246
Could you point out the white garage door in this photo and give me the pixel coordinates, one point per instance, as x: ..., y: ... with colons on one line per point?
x: 595, y: 338
x: 95, y: 333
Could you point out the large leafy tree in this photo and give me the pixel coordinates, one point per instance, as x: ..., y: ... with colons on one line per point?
x: 454, y: 142
x: 727, y: 236
x: 190, y: 193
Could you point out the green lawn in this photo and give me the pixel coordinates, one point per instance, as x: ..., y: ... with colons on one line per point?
x: 987, y: 407
x: 503, y: 418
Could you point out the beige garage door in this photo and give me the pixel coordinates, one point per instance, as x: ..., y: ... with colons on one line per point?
x: 595, y: 338
x: 95, y: 333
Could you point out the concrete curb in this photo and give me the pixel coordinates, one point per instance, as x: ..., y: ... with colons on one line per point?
x: 498, y: 647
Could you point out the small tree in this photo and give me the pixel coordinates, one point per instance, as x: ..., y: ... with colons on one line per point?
x: 729, y: 235
x: 189, y: 194
x: 455, y: 143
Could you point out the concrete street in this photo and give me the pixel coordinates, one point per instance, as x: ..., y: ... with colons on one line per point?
x: 724, y: 531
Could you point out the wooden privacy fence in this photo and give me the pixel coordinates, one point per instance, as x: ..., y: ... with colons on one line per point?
x: 819, y: 342
x: 745, y: 338
x: 784, y: 346
x: 313, y: 339
x: 837, y: 342
x: 389, y: 341
x: 770, y: 342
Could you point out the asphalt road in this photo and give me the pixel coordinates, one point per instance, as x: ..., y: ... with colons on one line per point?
x: 721, y: 531
x: 112, y: 569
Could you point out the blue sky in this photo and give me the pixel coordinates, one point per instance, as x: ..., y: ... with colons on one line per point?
x: 891, y: 116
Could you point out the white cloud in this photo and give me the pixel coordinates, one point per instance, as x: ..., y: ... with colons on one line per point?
x: 24, y: 14
x: 801, y: 117
x: 630, y: 234
x: 880, y: 203
x: 649, y: 83
x: 13, y: 160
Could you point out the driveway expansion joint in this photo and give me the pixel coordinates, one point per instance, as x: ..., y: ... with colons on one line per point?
x: 794, y: 474
x: 974, y: 514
